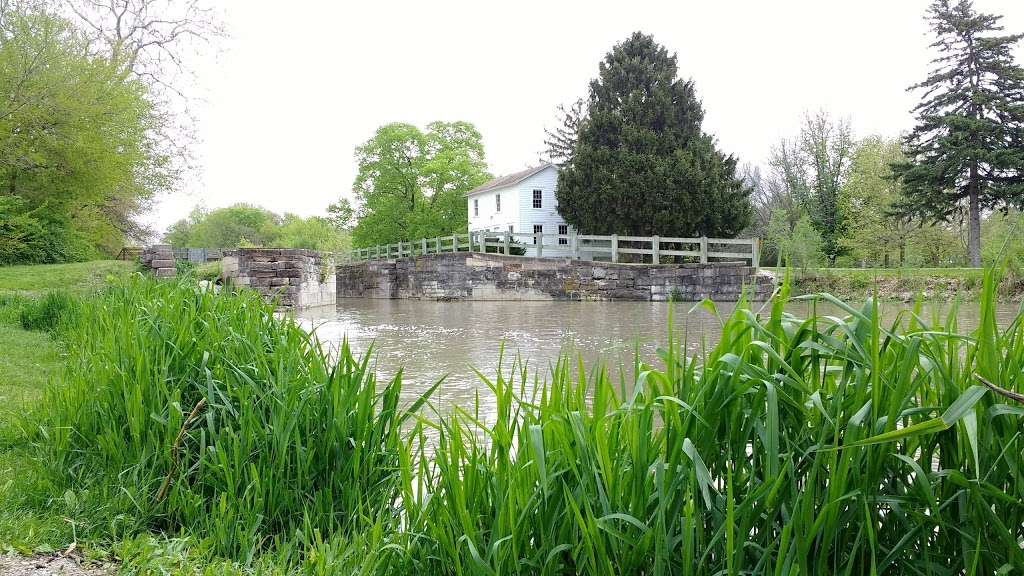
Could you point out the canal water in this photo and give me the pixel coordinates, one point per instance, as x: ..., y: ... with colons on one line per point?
x: 429, y: 340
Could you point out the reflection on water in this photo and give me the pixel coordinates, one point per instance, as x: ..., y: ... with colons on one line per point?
x: 429, y: 339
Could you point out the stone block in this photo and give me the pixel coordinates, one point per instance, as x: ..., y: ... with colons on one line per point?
x: 264, y: 266
x: 162, y: 263
x: 165, y: 272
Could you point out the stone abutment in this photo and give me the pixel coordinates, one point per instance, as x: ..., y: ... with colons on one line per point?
x: 477, y: 276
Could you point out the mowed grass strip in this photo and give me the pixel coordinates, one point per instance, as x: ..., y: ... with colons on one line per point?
x: 76, y: 278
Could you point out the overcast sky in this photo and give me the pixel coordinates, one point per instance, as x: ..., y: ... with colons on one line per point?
x: 299, y: 84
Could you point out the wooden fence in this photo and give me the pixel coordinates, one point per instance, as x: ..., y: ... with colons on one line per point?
x: 194, y: 255
x: 613, y: 248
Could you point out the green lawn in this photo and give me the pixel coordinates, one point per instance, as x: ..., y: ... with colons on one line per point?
x: 900, y: 283
x: 888, y: 272
x: 28, y: 360
x: 78, y: 277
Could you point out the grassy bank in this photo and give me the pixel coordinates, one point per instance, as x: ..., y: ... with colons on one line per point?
x: 194, y: 431
x: 903, y: 284
x: 32, y: 519
x: 76, y: 278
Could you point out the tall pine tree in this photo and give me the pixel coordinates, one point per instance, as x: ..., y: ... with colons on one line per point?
x: 641, y: 164
x: 968, y: 145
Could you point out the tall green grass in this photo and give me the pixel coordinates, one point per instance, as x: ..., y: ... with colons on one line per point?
x: 49, y: 313
x: 187, y: 411
x: 820, y: 445
x: 796, y: 446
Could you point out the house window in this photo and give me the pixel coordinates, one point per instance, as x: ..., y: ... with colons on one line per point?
x: 497, y: 202
x: 537, y: 228
x: 563, y: 230
x: 476, y: 206
x: 538, y: 199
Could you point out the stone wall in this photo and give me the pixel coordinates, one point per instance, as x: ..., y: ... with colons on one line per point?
x: 475, y: 276
x: 159, y: 258
x: 296, y: 278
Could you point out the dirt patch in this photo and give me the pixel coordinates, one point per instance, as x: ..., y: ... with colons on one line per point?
x: 55, y: 565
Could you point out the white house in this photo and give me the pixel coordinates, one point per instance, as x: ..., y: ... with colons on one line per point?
x: 524, y: 203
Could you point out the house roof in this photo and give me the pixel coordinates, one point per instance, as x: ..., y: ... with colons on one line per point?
x: 509, y: 180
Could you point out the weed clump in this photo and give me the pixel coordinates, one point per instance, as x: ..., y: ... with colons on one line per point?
x: 48, y: 313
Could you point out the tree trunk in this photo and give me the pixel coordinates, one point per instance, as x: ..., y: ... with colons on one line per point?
x: 974, y: 219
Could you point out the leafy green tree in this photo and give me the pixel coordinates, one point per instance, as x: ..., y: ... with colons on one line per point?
x: 936, y: 245
x: 342, y: 214
x: 240, y: 224
x: 809, y: 171
x: 968, y: 145
x: 1003, y: 239
x: 868, y: 198
x: 313, y: 233
x: 244, y: 225
x: 799, y: 245
x: 76, y: 146
x: 411, y: 183
x: 641, y: 164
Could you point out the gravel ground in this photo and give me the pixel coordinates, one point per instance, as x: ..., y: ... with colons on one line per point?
x: 48, y: 566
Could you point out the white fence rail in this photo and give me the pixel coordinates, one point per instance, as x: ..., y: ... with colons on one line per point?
x: 650, y: 249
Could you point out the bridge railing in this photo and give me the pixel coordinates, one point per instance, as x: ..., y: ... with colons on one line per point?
x: 613, y: 248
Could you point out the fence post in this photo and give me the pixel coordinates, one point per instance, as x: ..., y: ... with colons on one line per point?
x: 508, y: 243
x: 755, y: 253
x: 655, y: 250
x: 615, y: 247
x: 437, y: 244
x: 574, y: 238
x: 423, y: 244
x: 703, y: 249
x: 539, y: 242
x: 455, y: 242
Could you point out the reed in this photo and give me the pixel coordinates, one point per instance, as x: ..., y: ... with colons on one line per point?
x: 827, y: 444
x: 821, y: 445
x: 186, y: 411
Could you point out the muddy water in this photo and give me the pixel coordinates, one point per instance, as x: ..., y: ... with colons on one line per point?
x: 430, y: 340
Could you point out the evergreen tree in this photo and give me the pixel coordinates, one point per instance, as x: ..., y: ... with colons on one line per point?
x: 641, y: 164
x: 560, y: 142
x: 968, y: 145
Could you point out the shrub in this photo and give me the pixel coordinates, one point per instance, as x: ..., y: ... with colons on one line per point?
x: 49, y: 312
x: 184, y: 267
x: 209, y: 271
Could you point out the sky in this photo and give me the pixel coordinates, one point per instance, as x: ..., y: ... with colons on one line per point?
x: 284, y: 100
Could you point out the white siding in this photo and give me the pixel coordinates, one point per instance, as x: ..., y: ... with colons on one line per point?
x: 490, y: 218
x: 517, y: 210
x: 547, y: 215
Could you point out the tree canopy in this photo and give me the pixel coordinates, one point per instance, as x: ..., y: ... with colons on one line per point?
x: 641, y: 163
x: 967, y: 149
x: 248, y: 225
x: 411, y: 183
x: 77, y: 155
